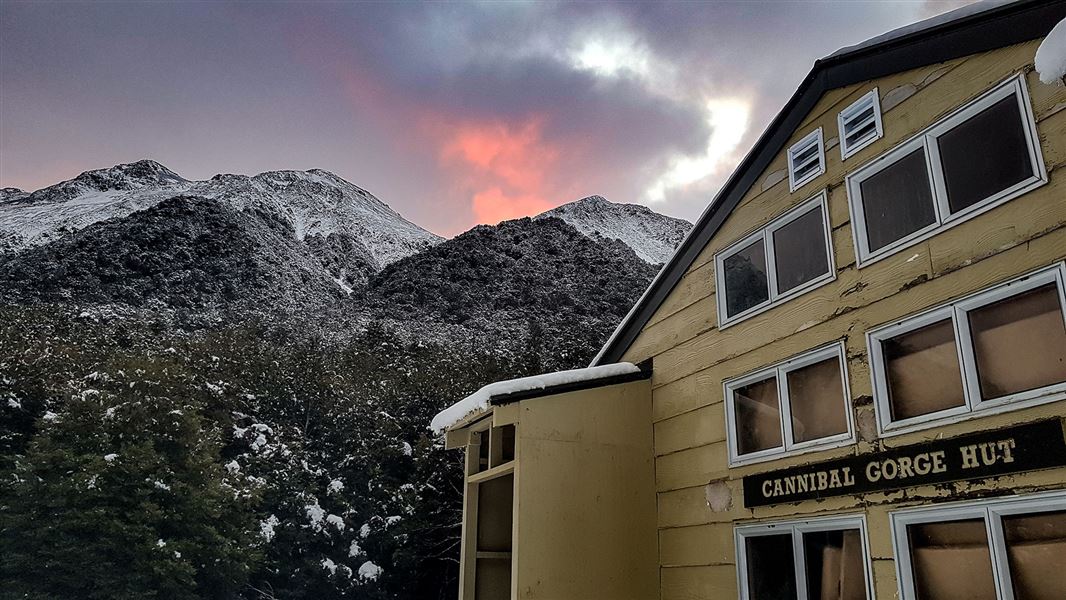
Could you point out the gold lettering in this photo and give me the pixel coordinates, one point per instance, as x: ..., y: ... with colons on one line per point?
x: 790, y: 485
x: 988, y: 454
x: 848, y: 479
x: 778, y: 491
x: 873, y: 471
x: 938, y: 462
x: 905, y: 467
x: 969, y: 457
x: 887, y: 472
x: 834, y: 479
x: 1007, y: 448
x: 766, y: 489
x: 921, y: 464
x: 803, y: 484
x: 823, y: 480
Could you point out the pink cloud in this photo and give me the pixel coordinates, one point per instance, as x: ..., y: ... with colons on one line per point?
x: 506, y: 170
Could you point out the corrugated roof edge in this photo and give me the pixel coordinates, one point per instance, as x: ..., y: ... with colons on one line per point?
x: 999, y: 26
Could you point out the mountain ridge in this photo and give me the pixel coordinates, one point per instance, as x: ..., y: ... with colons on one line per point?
x: 314, y: 202
x: 651, y: 235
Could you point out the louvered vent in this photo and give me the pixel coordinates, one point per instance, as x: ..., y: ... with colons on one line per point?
x: 860, y: 124
x: 806, y: 160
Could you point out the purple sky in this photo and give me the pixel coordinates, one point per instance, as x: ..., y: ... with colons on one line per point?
x: 452, y: 113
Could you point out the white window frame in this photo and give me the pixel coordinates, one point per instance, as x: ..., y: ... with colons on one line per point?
x: 741, y: 533
x: 844, y: 115
x: 927, y: 139
x: 780, y: 371
x: 814, y: 137
x: 765, y: 234
x: 991, y: 511
x: 956, y: 311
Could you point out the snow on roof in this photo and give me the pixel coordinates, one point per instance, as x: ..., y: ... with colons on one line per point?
x: 1051, y: 55
x: 479, y: 400
x: 952, y: 15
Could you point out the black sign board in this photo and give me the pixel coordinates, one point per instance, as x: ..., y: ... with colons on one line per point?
x: 1029, y: 447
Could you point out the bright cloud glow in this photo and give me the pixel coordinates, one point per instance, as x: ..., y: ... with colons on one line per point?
x: 618, y: 52
x: 728, y: 120
x: 610, y: 57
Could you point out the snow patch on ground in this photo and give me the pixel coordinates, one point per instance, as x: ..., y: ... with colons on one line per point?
x: 479, y: 400
x: 335, y: 521
x: 1051, y: 55
x: 266, y: 528
x: 315, y: 514
x: 370, y: 571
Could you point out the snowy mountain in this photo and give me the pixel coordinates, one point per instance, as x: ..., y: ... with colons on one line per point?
x: 315, y: 204
x: 651, y: 235
x: 265, y: 352
x: 499, y: 280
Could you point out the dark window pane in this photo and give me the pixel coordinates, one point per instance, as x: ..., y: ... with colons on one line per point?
x: 492, y: 579
x: 1020, y: 343
x: 897, y: 201
x: 745, y: 279
x: 799, y: 251
x: 816, y: 397
x: 951, y: 561
x: 1036, y: 550
x: 985, y: 155
x: 483, y: 451
x: 495, y: 506
x: 507, y: 437
x: 758, y: 414
x: 771, y: 568
x: 923, y: 371
x: 834, y: 565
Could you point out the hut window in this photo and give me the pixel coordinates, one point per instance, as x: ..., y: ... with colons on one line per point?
x: 825, y: 558
x: 797, y: 405
x: 860, y: 124
x: 978, y: 157
x: 789, y: 256
x: 996, y: 349
x: 1008, y: 548
x: 806, y: 160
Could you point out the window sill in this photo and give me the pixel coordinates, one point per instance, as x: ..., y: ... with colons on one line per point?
x: 996, y: 406
x: 826, y: 444
x: 810, y: 286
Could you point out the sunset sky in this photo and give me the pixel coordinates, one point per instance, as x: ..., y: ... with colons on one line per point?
x: 453, y: 113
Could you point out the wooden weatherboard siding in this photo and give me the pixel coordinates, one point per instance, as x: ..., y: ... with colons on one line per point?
x: 692, y: 356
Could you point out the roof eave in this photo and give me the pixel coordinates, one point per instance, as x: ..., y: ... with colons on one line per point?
x: 995, y: 28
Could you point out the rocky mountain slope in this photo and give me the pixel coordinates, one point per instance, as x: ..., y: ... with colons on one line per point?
x: 286, y: 243
x: 186, y: 252
x: 499, y: 280
x: 315, y: 204
x: 651, y: 235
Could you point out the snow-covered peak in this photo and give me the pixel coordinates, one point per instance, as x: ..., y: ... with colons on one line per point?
x: 1051, y: 56
x: 140, y: 175
x: 314, y: 202
x: 318, y: 202
x: 651, y: 235
x: 10, y: 194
